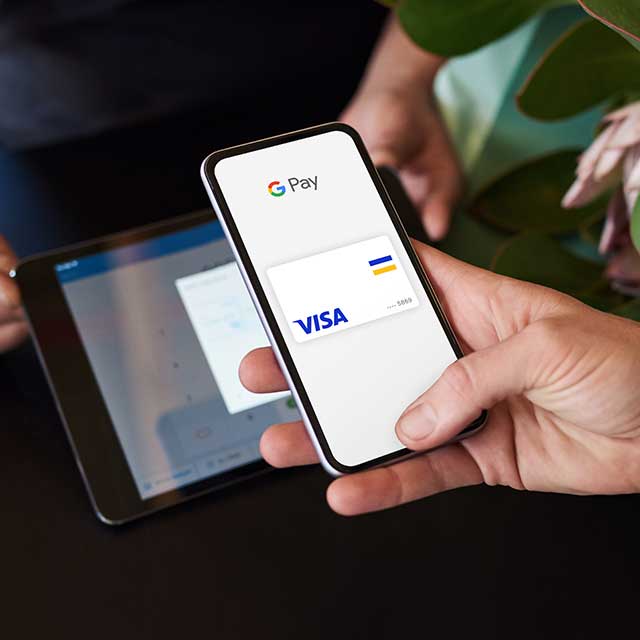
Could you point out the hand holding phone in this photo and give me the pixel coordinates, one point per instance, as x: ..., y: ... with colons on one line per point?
x: 560, y: 376
x: 344, y: 300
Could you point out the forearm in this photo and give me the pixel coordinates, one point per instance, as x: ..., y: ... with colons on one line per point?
x: 399, y: 63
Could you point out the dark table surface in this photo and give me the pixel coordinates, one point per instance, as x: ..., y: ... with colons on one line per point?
x: 266, y: 558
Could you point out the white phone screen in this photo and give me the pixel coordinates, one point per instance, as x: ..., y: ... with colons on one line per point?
x: 352, y: 310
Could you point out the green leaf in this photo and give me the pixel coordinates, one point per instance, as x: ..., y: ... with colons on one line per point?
x: 621, y: 15
x: 538, y: 258
x: 529, y: 197
x: 455, y: 27
x: 635, y: 225
x: 587, y: 65
x: 629, y: 310
x: 471, y: 241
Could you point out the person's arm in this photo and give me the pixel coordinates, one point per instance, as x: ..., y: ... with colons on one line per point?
x: 13, y: 328
x: 398, y: 62
x: 395, y: 112
x: 560, y: 380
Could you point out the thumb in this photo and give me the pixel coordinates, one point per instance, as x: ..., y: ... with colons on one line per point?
x: 467, y: 387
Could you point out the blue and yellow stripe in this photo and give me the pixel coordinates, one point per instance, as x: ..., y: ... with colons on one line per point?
x: 386, y: 268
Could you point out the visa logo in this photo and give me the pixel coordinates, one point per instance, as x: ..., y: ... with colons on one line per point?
x: 319, y: 321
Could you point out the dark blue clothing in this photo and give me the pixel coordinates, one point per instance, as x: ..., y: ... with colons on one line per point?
x: 76, y: 67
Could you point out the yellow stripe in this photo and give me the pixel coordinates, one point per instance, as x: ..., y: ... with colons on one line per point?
x: 377, y: 272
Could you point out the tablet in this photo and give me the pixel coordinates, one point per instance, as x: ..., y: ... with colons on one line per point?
x: 141, y: 335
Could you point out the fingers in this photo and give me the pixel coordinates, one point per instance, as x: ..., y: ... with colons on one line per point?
x: 406, y: 131
x: 8, y: 258
x: 419, y: 477
x: 444, y: 181
x: 467, y: 387
x: 12, y: 334
x: 287, y: 445
x: 9, y: 298
x: 436, y: 215
x: 434, y: 183
x: 452, y: 277
x: 13, y: 328
x: 9, y: 292
x: 260, y: 372
x: 445, y: 190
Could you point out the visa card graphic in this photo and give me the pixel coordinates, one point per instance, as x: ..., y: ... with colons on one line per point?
x: 342, y: 288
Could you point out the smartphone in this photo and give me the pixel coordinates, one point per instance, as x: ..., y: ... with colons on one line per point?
x: 353, y: 320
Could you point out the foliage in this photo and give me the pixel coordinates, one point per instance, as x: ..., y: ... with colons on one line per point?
x: 528, y: 198
x: 635, y: 225
x: 455, y: 27
x: 452, y: 28
x: 589, y: 64
x: 621, y: 15
x: 538, y: 258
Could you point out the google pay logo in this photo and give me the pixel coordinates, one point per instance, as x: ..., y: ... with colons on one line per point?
x: 276, y: 189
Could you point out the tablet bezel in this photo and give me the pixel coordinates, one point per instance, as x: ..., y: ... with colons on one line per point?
x: 96, y: 447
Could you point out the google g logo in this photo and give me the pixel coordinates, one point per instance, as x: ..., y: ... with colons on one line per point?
x: 276, y: 189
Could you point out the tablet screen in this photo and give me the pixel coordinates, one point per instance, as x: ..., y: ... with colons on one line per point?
x: 165, y: 323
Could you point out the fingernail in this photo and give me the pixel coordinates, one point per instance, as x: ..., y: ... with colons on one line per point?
x: 419, y: 422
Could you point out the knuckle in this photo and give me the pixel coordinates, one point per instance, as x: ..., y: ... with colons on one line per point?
x: 459, y: 379
x: 548, y: 332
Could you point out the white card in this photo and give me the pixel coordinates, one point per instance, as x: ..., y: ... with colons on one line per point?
x: 342, y: 288
x: 227, y: 326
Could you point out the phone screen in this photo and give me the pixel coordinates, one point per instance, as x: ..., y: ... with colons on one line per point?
x: 352, y: 309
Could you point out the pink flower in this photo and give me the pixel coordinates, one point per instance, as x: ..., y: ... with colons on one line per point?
x: 612, y: 159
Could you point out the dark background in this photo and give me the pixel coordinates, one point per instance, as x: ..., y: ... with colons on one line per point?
x: 267, y: 558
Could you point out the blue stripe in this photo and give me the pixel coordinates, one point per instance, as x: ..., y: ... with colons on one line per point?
x: 146, y: 250
x: 373, y: 263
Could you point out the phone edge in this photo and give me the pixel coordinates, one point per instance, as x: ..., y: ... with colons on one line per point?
x: 274, y: 345
x: 326, y: 463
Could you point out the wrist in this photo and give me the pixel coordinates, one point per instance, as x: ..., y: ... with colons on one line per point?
x: 399, y: 66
